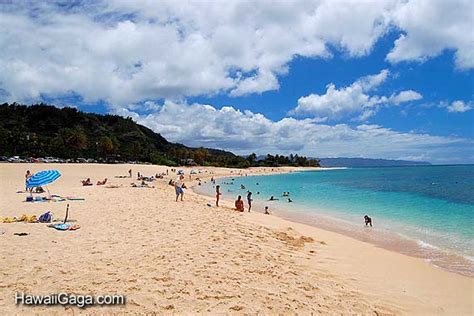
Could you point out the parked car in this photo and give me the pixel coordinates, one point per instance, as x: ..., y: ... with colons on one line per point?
x: 14, y: 159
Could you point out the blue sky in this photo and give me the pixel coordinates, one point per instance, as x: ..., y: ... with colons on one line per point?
x: 436, y: 79
x: 387, y: 79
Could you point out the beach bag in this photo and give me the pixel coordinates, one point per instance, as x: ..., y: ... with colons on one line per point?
x: 45, y: 218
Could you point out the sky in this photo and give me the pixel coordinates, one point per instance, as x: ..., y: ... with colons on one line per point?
x: 374, y: 79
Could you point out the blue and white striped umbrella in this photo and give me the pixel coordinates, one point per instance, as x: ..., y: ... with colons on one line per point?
x: 42, y: 178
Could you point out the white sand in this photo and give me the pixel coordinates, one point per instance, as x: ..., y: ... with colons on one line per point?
x: 187, y: 257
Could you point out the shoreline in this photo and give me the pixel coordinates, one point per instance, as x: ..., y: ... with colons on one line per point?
x: 186, y: 257
x: 388, y: 240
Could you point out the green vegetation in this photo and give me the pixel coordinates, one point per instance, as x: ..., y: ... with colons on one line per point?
x: 280, y: 160
x: 42, y: 130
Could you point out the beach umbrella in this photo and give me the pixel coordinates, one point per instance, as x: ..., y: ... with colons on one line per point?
x: 42, y: 178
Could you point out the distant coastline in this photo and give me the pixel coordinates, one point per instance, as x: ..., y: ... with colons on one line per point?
x: 368, y: 162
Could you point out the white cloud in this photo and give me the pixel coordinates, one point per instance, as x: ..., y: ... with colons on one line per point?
x: 336, y: 103
x: 126, y: 52
x: 459, y: 107
x: 405, y: 96
x: 244, y: 132
x: 433, y: 26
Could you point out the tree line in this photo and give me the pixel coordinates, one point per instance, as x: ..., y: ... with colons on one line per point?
x: 42, y: 130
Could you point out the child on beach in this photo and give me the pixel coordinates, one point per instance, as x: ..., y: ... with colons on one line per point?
x: 368, y: 220
x: 267, y: 212
x: 239, y: 204
x: 218, y: 194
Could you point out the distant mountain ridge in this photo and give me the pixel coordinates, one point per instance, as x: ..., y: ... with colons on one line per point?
x: 368, y: 162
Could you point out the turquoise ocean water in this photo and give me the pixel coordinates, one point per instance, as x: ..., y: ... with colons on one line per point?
x: 423, y: 211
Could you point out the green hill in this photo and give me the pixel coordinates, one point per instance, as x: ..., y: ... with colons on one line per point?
x: 42, y: 130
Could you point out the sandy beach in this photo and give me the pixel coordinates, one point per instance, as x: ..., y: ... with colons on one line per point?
x: 186, y: 257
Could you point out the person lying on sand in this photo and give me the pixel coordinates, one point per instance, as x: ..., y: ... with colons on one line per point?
x: 102, y: 182
x: 143, y: 184
x: 86, y: 182
x: 239, y: 204
x: 368, y: 220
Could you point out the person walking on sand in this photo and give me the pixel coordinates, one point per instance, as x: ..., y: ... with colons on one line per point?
x: 239, y: 204
x: 130, y: 173
x: 178, y: 186
x: 218, y: 194
x: 249, y: 200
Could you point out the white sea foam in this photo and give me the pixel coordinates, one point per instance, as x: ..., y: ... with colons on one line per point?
x: 426, y: 245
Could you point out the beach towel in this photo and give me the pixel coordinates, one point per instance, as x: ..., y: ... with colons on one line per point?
x: 60, y: 226
x: 63, y: 226
x: 28, y: 219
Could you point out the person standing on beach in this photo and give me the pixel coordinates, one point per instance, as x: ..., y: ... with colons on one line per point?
x: 249, y: 200
x: 27, y: 176
x: 218, y: 194
x: 130, y: 173
x: 178, y: 186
